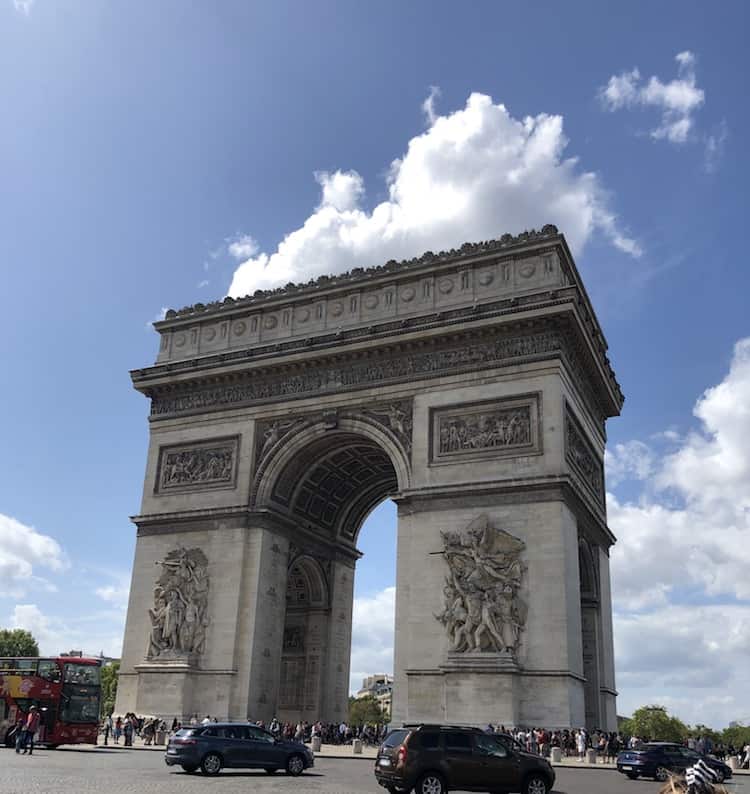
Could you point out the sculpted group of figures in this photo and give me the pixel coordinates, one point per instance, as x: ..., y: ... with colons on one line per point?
x: 179, y: 618
x: 197, y: 465
x: 483, y: 431
x: 483, y: 610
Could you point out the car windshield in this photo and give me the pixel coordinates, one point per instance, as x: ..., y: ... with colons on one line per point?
x: 186, y: 732
x: 395, y: 738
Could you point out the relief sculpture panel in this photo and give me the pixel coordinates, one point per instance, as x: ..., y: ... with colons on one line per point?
x: 496, y: 428
x: 206, y: 465
x: 582, y: 458
x: 179, y: 617
x: 483, y: 609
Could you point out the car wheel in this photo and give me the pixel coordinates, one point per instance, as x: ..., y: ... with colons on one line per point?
x: 271, y: 770
x: 661, y: 774
x: 535, y: 784
x: 430, y: 783
x: 189, y: 768
x: 632, y: 775
x: 211, y: 764
x: 295, y: 765
x: 719, y: 775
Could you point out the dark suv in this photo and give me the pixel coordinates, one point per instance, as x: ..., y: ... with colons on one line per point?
x: 433, y: 759
x: 235, y: 744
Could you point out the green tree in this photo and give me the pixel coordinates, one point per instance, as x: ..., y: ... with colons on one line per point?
x: 738, y: 736
x: 655, y: 723
x: 365, y: 710
x: 109, y: 687
x: 17, y: 642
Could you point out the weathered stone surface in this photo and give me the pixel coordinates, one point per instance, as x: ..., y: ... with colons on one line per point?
x: 471, y: 387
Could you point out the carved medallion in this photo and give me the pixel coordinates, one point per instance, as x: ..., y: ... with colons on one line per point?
x: 483, y: 610
x: 179, y: 618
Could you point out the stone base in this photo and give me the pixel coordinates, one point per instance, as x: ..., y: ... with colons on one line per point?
x: 480, y: 662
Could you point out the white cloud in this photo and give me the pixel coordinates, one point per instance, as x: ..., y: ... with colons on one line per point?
x: 116, y: 594
x: 678, y: 100
x: 473, y: 175
x: 56, y: 635
x: 372, y: 636
x: 691, y: 659
x: 204, y: 283
x: 23, y: 6
x: 22, y: 551
x: 633, y: 460
x: 428, y: 106
x: 686, y: 538
x: 241, y: 248
x: 158, y: 317
x: 715, y: 145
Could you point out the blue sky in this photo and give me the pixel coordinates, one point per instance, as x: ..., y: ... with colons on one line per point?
x: 155, y: 155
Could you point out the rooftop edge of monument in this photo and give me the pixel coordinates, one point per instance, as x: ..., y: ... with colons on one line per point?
x: 506, y: 241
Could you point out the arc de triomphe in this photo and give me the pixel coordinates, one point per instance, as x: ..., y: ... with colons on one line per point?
x: 471, y: 387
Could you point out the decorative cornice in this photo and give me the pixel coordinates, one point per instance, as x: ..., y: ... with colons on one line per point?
x: 504, y: 243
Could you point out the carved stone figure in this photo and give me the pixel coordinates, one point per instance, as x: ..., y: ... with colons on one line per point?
x: 179, y: 618
x: 478, y: 431
x: 483, y: 610
x: 199, y: 466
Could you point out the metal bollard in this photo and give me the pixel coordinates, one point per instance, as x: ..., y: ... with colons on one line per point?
x: 316, y: 742
x: 357, y: 743
x: 556, y: 755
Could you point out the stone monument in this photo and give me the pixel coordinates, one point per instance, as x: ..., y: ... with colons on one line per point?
x: 470, y: 386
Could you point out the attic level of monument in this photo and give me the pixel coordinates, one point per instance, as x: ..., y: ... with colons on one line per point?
x: 532, y: 294
x: 477, y: 273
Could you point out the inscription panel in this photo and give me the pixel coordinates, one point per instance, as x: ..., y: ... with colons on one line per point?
x: 509, y: 427
x: 195, y: 466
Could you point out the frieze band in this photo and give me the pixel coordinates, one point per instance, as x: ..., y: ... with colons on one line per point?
x: 388, y: 368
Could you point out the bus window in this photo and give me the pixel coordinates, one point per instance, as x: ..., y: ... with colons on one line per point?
x: 26, y: 666
x: 49, y: 670
x: 83, y: 674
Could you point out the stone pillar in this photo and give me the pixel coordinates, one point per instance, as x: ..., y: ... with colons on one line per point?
x: 266, y: 602
x: 336, y: 682
x: 607, y: 688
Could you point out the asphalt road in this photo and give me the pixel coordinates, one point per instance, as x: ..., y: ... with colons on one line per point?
x: 139, y: 771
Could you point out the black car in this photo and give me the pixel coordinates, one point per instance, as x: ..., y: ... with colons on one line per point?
x: 658, y: 759
x: 433, y: 759
x: 235, y: 744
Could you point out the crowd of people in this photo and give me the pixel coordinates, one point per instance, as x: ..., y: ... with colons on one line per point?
x: 573, y: 743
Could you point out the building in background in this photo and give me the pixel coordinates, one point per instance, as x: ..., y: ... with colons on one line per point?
x: 380, y: 687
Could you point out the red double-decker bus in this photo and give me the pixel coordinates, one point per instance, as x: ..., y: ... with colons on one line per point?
x: 66, y: 690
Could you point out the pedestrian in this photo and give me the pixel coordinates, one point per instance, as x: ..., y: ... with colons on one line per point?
x: 30, y: 728
x: 118, y: 729
x: 107, y: 727
x: 19, y: 731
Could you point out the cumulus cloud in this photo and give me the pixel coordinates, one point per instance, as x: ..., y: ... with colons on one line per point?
x: 116, y: 595
x: 692, y: 659
x: 472, y: 175
x: 23, y: 6
x: 678, y: 100
x: 241, y: 247
x: 633, y: 460
x: 684, y: 539
x: 23, y: 550
x: 92, y: 635
x: 372, y: 636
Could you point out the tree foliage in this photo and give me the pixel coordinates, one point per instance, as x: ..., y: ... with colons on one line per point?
x: 655, y: 724
x: 18, y: 642
x: 109, y: 687
x: 364, y: 710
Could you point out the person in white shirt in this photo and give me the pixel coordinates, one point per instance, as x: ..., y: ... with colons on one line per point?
x: 206, y: 720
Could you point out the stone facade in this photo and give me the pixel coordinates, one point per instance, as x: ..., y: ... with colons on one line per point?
x: 470, y: 386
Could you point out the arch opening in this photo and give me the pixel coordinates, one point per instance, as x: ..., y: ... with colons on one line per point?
x: 327, y: 484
